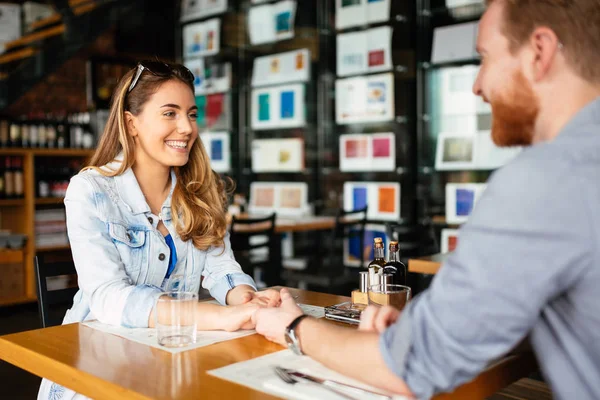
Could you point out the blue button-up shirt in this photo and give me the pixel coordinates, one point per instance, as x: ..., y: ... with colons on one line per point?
x: 528, y: 263
x: 117, y: 252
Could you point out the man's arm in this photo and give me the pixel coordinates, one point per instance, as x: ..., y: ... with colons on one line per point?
x: 348, y: 351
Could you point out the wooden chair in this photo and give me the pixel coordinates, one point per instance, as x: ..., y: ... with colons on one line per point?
x: 49, y: 266
x: 256, y: 245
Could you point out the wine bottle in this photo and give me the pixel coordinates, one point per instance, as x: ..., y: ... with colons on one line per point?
x: 394, y: 266
x: 376, y: 266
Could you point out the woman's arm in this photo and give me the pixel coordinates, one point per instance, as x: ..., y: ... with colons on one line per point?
x: 113, y: 298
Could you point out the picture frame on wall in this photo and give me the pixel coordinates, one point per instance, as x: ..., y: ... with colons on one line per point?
x: 285, y: 198
x: 455, y: 151
x: 367, y: 152
x: 461, y: 199
x: 365, y: 99
x: 382, y: 199
x: 196, y: 9
x: 449, y: 240
x: 278, y: 155
x: 280, y: 106
x: 352, y: 248
x: 218, y: 148
x: 202, y: 39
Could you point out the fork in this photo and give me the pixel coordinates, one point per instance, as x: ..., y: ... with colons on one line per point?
x: 292, y: 380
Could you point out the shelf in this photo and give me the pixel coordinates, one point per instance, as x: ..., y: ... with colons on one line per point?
x: 11, y: 301
x: 48, y: 200
x: 457, y: 63
x: 47, y: 152
x: 441, y: 220
x: 464, y: 13
x: 12, y: 202
x: 53, y: 248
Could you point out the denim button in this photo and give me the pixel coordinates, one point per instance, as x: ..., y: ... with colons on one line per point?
x: 161, y: 256
x: 150, y: 220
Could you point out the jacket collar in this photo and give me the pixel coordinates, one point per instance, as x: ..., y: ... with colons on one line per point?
x: 131, y: 194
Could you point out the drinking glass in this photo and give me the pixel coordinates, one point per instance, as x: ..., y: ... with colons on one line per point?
x: 389, y: 295
x: 176, y: 318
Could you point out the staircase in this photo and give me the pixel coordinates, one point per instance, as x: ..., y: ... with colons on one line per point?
x: 76, y: 23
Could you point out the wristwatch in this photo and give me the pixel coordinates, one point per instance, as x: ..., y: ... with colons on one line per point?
x: 291, y: 338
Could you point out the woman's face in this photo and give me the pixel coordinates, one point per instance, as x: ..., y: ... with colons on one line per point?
x: 166, y: 129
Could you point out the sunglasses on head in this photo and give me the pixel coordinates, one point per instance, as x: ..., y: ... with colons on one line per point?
x: 160, y: 69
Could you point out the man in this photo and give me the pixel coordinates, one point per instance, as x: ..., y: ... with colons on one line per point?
x: 528, y: 263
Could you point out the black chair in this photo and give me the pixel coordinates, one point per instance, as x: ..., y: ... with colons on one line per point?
x: 53, y: 303
x: 327, y: 271
x: 256, y: 245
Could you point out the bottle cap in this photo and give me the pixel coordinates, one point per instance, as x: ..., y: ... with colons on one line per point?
x: 378, y: 240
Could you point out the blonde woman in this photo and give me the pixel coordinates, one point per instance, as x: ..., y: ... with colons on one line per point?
x: 149, y: 208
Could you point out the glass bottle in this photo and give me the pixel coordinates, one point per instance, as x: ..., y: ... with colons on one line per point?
x: 376, y: 266
x: 394, y: 266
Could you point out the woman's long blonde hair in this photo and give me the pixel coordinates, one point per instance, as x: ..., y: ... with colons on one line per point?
x: 199, y: 200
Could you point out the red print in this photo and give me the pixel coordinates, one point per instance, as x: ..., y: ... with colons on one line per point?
x: 376, y: 58
x: 381, y: 147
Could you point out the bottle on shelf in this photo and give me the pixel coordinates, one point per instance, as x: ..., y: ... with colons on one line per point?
x: 33, y: 135
x: 376, y: 266
x: 15, y: 135
x: 41, y: 135
x: 25, y: 135
x: 2, y: 187
x: 18, y: 177
x: 394, y: 266
x: 4, y: 133
x: 9, y: 180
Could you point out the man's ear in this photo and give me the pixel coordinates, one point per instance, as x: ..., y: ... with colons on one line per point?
x: 130, y: 124
x: 546, y: 47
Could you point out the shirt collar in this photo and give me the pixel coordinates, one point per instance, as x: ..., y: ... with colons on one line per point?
x: 130, y: 192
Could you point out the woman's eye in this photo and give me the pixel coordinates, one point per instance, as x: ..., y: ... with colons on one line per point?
x: 169, y: 114
x: 193, y: 116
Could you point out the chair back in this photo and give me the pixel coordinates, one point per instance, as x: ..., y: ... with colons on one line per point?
x: 54, y: 266
x: 348, y: 225
x: 254, y: 242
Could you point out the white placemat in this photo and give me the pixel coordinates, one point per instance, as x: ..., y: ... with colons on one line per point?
x: 147, y: 336
x: 258, y: 374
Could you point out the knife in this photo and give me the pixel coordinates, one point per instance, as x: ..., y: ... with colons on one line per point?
x: 337, y: 385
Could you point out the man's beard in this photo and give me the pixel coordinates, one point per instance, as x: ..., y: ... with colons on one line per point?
x: 514, y: 114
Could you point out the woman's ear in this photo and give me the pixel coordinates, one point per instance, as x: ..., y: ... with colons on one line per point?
x: 130, y: 124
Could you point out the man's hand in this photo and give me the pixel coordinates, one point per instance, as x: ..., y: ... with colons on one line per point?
x: 238, y: 317
x: 271, y: 322
x: 267, y: 298
x: 377, y: 319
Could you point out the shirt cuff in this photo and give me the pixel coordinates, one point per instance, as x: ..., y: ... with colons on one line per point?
x: 221, y: 287
x: 139, y: 305
x: 395, y: 343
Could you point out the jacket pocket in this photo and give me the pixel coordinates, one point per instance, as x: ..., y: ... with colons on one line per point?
x: 130, y: 244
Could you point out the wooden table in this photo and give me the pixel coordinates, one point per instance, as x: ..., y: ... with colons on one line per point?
x: 299, y: 224
x: 104, y: 366
x: 427, y: 265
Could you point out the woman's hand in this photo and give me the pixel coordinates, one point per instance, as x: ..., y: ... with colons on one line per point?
x: 267, y: 298
x: 239, y: 317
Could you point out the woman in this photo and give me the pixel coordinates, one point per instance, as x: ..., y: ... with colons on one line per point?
x: 149, y: 209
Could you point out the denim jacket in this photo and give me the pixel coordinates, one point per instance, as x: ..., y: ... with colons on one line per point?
x: 122, y: 259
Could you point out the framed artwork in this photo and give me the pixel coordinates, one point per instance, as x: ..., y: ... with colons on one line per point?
x: 353, y: 249
x: 351, y: 13
x: 365, y: 99
x: 214, y: 112
x: 461, y: 199
x: 367, y: 152
x: 209, y: 78
x: 454, y: 43
x: 278, y: 107
x: 276, y: 69
x: 272, y: 22
x: 364, y: 51
x: 196, y: 9
x: 285, y: 198
x: 449, y: 240
x: 217, y: 146
x: 382, y: 199
x: 278, y: 155
x: 455, y: 151
x: 202, y: 38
